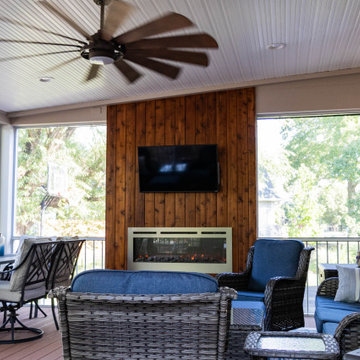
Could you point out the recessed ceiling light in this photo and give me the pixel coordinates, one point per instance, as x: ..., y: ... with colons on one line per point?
x: 276, y: 46
x: 46, y: 78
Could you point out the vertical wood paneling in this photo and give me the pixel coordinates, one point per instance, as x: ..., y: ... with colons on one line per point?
x: 232, y: 174
x: 150, y: 129
x: 120, y: 234
x: 170, y: 108
x: 200, y: 137
x: 160, y: 140
x: 221, y: 137
x: 110, y: 187
x: 243, y: 179
x: 223, y: 118
x: 190, y: 126
x: 251, y: 151
x: 140, y: 141
x: 180, y: 140
x: 211, y: 205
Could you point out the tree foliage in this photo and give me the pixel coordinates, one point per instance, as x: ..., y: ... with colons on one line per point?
x: 324, y: 153
x: 80, y: 153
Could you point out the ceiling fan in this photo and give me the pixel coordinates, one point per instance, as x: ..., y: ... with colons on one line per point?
x: 135, y: 46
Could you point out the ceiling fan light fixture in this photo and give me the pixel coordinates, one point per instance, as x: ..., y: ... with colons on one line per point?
x: 101, y: 60
x: 102, y: 56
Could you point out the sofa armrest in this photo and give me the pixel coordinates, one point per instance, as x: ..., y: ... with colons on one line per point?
x: 328, y: 287
x: 237, y: 281
x: 283, y: 300
x: 347, y: 333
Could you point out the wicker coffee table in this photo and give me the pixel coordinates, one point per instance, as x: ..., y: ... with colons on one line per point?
x: 291, y: 345
x: 245, y: 318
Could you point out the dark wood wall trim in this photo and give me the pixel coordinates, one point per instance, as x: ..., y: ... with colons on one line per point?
x: 225, y: 118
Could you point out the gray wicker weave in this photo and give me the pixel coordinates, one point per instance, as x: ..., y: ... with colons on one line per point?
x: 283, y: 296
x: 107, y: 326
x: 347, y: 332
x: 244, y: 321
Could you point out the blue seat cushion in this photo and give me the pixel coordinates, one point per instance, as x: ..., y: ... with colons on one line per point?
x: 329, y: 328
x: 328, y: 310
x: 236, y: 304
x: 250, y: 296
x: 143, y: 282
x: 273, y: 258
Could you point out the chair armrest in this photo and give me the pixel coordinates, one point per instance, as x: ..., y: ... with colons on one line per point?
x: 347, y: 333
x: 237, y: 281
x: 283, y: 300
x: 328, y: 287
x: 282, y: 287
x: 5, y: 274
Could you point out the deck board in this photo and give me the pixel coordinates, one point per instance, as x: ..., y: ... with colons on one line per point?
x: 48, y: 347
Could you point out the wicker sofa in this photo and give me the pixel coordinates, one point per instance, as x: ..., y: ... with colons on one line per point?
x: 112, y: 314
x: 341, y: 319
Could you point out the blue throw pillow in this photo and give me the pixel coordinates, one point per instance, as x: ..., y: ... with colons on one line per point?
x: 274, y: 258
x: 143, y: 282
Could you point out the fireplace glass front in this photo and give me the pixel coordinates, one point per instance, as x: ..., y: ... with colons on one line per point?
x: 207, y: 250
x: 180, y: 250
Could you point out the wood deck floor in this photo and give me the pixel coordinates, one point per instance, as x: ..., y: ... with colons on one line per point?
x: 46, y: 348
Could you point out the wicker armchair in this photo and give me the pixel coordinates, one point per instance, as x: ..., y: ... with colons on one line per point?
x: 347, y: 333
x: 283, y: 295
x: 96, y: 325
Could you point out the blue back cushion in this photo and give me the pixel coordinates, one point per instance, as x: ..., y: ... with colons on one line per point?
x: 143, y: 282
x: 273, y: 258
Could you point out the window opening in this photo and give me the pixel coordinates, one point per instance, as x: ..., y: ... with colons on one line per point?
x: 60, y: 181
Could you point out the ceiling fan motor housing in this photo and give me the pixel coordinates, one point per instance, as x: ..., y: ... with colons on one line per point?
x: 102, y: 52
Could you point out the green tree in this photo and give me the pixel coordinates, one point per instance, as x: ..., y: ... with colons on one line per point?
x: 328, y: 148
x: 80, y: 153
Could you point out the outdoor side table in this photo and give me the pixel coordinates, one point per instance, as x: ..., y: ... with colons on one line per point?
x: 245, y: 318
x: 352, y: 355
x: 291, y: 345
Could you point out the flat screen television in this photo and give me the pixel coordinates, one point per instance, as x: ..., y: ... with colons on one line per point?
x: 178, y: 168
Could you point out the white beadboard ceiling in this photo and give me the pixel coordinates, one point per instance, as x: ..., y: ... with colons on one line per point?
x: 320, y: 36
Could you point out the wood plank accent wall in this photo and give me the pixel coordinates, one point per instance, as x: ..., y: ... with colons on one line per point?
x: 225, y: 118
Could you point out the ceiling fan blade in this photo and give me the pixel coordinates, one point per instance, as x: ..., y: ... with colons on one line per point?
x: 93, y: 72
x: 116, y: 12
x: 127, y: 70
x: 196, y: 58
x: 60, y: 14
x: 169, y: 22
x: 15, y: 22
x: 183, y: 41
x: 56, y: 67
x: 170, y: 71
x: 37, y: 43
x: 36, y: 55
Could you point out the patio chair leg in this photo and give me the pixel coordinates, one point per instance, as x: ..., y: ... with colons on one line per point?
x: 12, y: 319
x: 54, y: 314
x: 36, y: 308
x: 31, y: 310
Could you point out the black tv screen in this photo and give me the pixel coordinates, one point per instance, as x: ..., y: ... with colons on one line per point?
x: 179, y: 168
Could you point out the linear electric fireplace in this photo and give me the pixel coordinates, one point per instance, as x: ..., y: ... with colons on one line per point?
x: 207, y: 250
